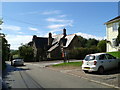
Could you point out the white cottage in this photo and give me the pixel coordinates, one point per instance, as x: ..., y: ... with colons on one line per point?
x: 112, y: 33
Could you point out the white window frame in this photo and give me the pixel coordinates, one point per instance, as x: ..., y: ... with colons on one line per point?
x: 115, y: 26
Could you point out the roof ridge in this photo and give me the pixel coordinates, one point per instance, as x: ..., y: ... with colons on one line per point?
x: 116, y: 18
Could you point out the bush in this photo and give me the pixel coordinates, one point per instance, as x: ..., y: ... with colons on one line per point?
x: 80, y: 53
x: 26, y: 52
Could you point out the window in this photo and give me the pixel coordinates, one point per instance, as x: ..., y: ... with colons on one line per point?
x: 88, y: 58
x: 102, y: 57
x: 110, y: 56
x: 114, y: 41
x: 115, y: 26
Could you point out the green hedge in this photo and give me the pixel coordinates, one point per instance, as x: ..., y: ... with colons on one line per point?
x: 116, y: 54
x: 80, y: 53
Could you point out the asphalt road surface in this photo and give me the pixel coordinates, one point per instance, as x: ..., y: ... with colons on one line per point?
x: 33, y: 76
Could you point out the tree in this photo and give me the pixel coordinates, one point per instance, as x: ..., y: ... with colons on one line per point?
x: 5, y: 48
x: 83, y: 41
x: 91, y: 43
x: 118, y: 37
x: 102, y: 46
x: 14, y: 54
x: 26, y: 52
x: 1, y: 22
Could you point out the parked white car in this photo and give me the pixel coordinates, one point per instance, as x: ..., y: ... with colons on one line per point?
x: 16, y: 62
x: 99, y: 62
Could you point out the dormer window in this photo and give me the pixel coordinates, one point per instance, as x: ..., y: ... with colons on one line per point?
x: 115, y: 26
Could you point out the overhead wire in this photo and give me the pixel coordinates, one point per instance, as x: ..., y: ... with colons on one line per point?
x: 21, y: 21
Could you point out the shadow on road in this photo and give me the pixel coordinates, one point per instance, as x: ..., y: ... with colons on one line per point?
x: 109, y: 72
x: 8, y: 71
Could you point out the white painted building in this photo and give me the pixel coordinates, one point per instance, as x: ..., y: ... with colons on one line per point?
x: 112, y: 33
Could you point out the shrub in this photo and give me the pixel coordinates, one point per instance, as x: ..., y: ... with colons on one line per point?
x: 80, y: 53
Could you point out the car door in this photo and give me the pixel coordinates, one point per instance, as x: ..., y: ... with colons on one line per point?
x: 112, y: 61
x: 103, y: 61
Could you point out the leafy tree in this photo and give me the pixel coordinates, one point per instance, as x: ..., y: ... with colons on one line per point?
x: 83, y: 41
x: 102, y: 46
x: 14, y: 53
x: 91, y: 43
x: 26, y: 52
x: 4, y: 48
x: 118, y: 37
x: 1, y: 22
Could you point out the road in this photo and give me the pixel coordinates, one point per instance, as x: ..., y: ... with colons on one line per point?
x: 34, y: 76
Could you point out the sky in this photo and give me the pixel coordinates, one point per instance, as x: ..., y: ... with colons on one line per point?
x: 22, y: 20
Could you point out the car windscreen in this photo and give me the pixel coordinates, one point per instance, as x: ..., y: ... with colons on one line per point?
x: 89, y: 57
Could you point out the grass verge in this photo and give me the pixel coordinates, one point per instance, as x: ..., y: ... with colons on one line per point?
x: 76, y: 64
x: 116, y: 54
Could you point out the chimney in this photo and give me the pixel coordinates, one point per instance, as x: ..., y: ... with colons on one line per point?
x: 34, y: 37
x: 64, y: 32
x: 50, y: 39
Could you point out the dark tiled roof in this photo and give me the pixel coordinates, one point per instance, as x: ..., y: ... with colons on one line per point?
x: 53, y: 47
x: 57, y: 38
x: 66, y: 42
x: 114, y: 19
x: 69, y: 39
x: 41, y: 42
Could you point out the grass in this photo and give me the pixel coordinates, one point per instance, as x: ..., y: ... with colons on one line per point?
x: 116, y: 54
x: 77, y: 64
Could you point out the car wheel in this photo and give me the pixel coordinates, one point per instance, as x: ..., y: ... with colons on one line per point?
x: 101, y: 70
x: 85, y: 71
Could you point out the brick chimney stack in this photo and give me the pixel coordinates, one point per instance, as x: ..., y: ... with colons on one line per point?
x: 34, y: 37
x: 64, y: 32
x: 50, y: 39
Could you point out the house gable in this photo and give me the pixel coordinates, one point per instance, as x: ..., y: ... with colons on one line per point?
x: 112, y: 33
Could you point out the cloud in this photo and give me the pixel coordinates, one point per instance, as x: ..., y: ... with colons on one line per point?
x: 33, y: 29
x: 87, y: 36
x: 55, y: 30
x: 11, y: 27
x: 61, y: 16
x: 51, y: 12
x: 53, y: 34
x: 28, y: 13
x: 16, y: 40
x: 59, y: 23
x: 55, y: 20
x: 59, y: 20
x: 56, y: 26
x: 21, y: 32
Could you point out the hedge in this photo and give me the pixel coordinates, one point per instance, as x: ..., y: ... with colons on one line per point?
x: 80, y: 53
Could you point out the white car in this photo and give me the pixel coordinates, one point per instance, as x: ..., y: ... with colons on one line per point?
x: 16, y: 62
x: 99, y: 62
